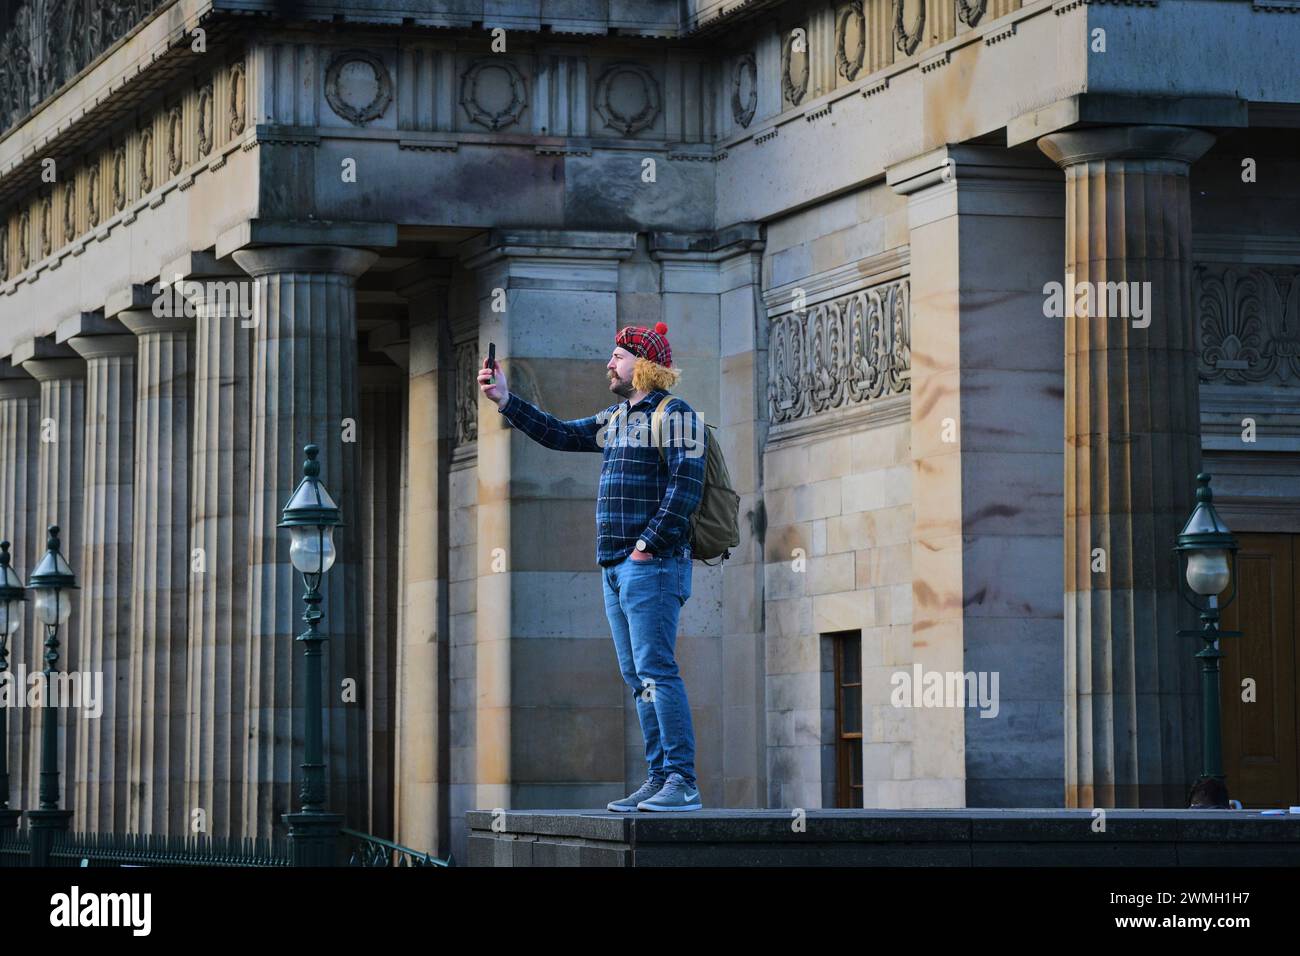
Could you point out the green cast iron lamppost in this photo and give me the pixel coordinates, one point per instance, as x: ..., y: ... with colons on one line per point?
x: 51, y: 584
x: 311, y: 517
x: 12, y: 595
x: 1210, y: 551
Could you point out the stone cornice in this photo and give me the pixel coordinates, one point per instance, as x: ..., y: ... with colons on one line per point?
x: 850, y: 277
x: 499, y: 244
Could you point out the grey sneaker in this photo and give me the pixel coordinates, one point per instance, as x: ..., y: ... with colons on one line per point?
x: 648, y: 789
x: 675, y: 795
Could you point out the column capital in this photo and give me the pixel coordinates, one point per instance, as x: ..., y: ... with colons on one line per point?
x: 26, y: 387
x: 1178, y: 144
x: 345, y: 260
x: 46, y: 361
x: 144, y: 322
x: 103, y: 346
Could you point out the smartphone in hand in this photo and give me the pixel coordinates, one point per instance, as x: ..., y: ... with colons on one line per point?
x: 491, y: 362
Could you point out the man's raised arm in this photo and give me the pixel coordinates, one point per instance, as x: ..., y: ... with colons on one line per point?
x: 578, y: 434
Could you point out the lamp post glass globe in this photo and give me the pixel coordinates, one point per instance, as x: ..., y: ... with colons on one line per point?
x: 53, y: 606
x: 52, y: 584
x: 1208, y: 572
x: 11, y: 596
x: 311, y: 549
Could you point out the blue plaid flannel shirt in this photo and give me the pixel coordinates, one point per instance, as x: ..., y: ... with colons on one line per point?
x: 642, y: 494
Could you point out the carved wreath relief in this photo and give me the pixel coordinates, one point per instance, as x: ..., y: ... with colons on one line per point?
x: 47, y: 225
x: 358, y: 86
x: 794, y: 87
x: 119, y: 178
x: 146, y: 159
x: 744, y: 90
x: 236, y: 106
x: 493, y: 93
x: 850, y: 66
x: 907, y: 38
x: 175, y: 140
x: 92, y: 195
x: 205, y: 118
x: 627, y: 97
x: 69, y: 211
x: 839, y: 353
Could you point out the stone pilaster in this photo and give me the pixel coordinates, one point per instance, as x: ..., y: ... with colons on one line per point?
x: 1132, y: 451
x: 101, y: 789
x: 60, y: 494
x: 381, y: 426
x: 220, y: 483
x: 422, y: 746
x: 550, y: 706
x: 160, y: 570
x: 20, y: 442
x: 986, y: 479
x: 304, y: 391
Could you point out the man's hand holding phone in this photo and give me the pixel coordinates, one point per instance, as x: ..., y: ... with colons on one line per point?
x: 491, y: 380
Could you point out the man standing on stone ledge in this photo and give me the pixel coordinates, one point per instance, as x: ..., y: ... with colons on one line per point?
x: 643, y: 510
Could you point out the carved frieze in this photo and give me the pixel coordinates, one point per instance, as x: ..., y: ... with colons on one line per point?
x: 849, y: 65
x: 358, y: 86
x: 467, y: 393
x: 1248, y: 318
x: 493, y: 93
x: 908, y: 38
x: 793, y: 86
x: 627, y: 112
x: 841, y: 352
x: 49, y: 42
x: 744, y: 90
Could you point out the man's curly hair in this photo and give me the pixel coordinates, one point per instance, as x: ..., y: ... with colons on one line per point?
x: 648, y: 375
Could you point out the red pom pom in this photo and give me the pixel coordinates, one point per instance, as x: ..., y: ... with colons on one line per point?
x: 661, y: 328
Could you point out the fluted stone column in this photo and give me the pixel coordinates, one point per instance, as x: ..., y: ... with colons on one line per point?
x: 59, y: 502
x: 20, y: 405
x: 383, y: 390
x: 160, y: 570
x: 218, y: 591
x: 1132, y: 451
x: 304, y: 391
x: 101, y: 790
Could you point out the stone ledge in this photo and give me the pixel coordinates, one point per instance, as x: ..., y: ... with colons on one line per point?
x: 983, y: 837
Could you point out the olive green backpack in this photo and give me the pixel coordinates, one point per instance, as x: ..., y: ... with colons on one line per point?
x: 715, y: 524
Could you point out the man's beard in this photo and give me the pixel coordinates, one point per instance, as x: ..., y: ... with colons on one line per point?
x: 620, y: 387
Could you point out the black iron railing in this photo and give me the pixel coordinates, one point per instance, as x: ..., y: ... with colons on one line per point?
x: 367, y: 850
x: 137, y: 849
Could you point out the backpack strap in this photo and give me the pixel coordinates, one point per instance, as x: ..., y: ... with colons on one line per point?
x: 656, y: 424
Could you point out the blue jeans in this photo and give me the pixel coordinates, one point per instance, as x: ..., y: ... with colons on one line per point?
x: 642, y: 601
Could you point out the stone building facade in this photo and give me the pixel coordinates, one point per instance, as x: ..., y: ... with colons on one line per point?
x: 232, y: 227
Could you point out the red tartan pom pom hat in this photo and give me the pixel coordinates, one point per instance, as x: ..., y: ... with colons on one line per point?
x: 649, y: 344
